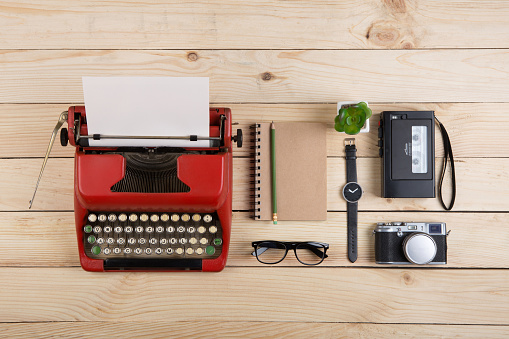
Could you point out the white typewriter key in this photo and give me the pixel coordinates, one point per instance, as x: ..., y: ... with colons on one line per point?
x: 148, y: 250
x: 112, y: 217
x: 142, y: 241
x: 165, y: 217
x: 122, y: 217
x: 170, y: 229
x: 207, y: 218
x: 199, y: 250
x: 183, y: 241
x: 196, y: 217
x: 154, y: 218
x: 169, y: 251
x: 189, y: 250
x: 92, y: 217
x: 110, y: 241
x: 152, y: 241
x: 212, y: 229
x: 179, y: 251
x: 149, y: 229
x: 121, y: 241
x: 174, y: 217
x: 107, y: 229
x: 173, y: 241
x: 201, y: 229
x: 181, y: 229
x: 100, y: 241
x: 106, y: 251
x: 159, y: 229
x: 191, y: 229
x: 116, y: 250
x: 163, y: 241
x: 139, y: 229
x: 185, y: 217
x: 131, y: 241
x: 118, y: 229
x: 204, y: 241
x: 143, y: 217
x: 128, y: 229
x: 137, y: 250
x: 127, y: 250
x: 102, y: 217
x: 158, y: 251
x: 133, y: 217
x: 97, y: 229
x: 193, y: 241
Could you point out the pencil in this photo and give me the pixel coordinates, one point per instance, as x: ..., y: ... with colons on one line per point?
x: 273, y: 165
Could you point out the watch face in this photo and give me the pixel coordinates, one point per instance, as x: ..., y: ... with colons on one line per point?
x: 352, y: 192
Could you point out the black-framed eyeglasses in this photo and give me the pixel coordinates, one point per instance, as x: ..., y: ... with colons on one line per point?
x: 307, y: 253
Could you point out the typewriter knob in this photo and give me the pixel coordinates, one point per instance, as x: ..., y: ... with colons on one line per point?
x: 238, y: 138
x: 64, y: 137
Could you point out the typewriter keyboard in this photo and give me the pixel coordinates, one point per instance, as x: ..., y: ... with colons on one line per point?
x: 152, y: 235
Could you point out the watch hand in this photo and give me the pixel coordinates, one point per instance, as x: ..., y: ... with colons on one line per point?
x: 355, y: 190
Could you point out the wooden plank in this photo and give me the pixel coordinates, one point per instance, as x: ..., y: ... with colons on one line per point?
x: 262, y: 24
x: 269, y: 76
x: 25, y: 128
x: 245, y: 329
x: 49, y: 238
x: 480, y: 184
x: 258, y: 294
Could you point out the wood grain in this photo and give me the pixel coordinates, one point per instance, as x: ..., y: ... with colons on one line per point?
x: 269, y: 76
x: 49, y: 238
x: 464, y: 122
x: 246, y: 329
x: 263, y: 24
x: 316, y: 294
x: 478, y: 180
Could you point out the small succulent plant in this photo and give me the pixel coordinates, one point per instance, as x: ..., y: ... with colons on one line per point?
x: 351, y: 118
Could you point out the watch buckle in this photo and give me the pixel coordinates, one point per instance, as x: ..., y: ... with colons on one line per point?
x: 349, y: 141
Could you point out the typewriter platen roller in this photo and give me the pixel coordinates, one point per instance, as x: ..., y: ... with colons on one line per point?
x: 152, y: 208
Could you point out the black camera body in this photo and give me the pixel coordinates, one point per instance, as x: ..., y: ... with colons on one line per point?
x: 401, y: 243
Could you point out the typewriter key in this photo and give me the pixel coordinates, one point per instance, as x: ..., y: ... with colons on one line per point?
x: 92, y: 218
x: 87, y: 229
x: 133, y: 217
x: 218, y: 241
x: 96, y: 250
x: 137, y: 250
x: 196, y: 217
x: 112, y: 217
x: 144, y: 217
x: 173, y: 241
x: 165, y: 217
x: 121, y: 241
x: 158, y: 251
x: 142, y: 241
x: 169, y: 250
x: 102, y: 217
x: 207, y: 218
x: 118, y: 229
x: 179, y: 251
x: 183, y: 241
x: 139, y: 229
x: 152, y: 241
x: 149, y: 229
x: 189, y: 250
x: 107, y: 251
x: 128, y: 229
x: 127, y: 250
x: 185, y: 217
x: 97, y: 229
x: 174, y: 217
x: 154, y: 218
x: 122, y: 217
x: 100, y: 241
x: 131, y: 241
x: 116, y: 250
x: 210, y: 250
x: 110, y: 241
x: 181, y: 229
x: 199, y: 250
x: 163, y: 241
x: 107, y: 229
x: 204, y: 241
x: 170, y: 229
x: 191, y: 229
x: 148, y: 250
x: 212, y: 229
x: 193, y: 241
x: 91, y: 239
x: 201, y: 229
x: 159, y: 229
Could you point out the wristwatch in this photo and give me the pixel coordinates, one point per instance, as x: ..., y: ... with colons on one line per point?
x: 352, y: 192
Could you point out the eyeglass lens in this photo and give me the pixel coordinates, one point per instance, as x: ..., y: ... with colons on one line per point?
x: 270, y: 252
x: 310, y: 254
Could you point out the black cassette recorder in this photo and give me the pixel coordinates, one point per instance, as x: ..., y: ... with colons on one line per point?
x: 407, y: 148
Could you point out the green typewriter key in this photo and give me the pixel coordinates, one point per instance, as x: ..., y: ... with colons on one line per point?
x: 218, y: 241
x: 210, y: 250
x: 96, y: 250
x: 91, y: 239
x: 88, y: 229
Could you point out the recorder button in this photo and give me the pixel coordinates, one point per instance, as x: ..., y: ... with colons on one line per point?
x: 381, y: 152
x: 380, y: 132
x: 380, y: 143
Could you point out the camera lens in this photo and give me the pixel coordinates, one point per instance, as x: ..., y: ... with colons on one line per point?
x: 419, y: 248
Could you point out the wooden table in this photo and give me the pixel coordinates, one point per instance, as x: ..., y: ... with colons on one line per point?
x: 267, y: 60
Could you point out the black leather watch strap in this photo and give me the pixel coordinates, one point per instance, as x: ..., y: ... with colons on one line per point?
x: 351, y: 166
x: 351, y: 211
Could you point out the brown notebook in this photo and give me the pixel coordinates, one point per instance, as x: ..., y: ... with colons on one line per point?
x: 301, y: 171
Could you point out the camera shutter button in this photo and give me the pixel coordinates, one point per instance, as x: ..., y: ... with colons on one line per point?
x: 419, y: 248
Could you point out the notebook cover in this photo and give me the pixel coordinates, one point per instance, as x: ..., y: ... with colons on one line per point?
x: 301, y: 171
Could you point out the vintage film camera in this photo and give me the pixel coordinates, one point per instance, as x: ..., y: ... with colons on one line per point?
x: 401, y: 243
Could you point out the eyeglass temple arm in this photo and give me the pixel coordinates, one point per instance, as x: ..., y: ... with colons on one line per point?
x: 259, y: 251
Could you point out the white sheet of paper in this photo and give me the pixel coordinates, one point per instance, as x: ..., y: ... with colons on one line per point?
x: 147, y: 106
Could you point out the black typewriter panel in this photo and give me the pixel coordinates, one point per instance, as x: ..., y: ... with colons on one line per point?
x: 113, y: 235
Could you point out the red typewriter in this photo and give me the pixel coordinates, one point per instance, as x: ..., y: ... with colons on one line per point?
x: 153, y: 208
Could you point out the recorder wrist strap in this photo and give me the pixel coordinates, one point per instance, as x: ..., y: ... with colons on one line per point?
x: 447, y: 156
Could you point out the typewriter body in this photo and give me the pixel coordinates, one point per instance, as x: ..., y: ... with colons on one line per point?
x: 154, y: 208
